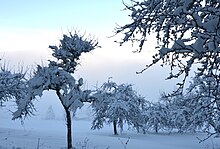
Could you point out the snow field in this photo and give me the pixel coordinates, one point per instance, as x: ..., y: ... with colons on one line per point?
x: 51, y: 134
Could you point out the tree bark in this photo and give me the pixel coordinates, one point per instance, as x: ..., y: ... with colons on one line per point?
x: 115, y: 127
x: 69, y: 129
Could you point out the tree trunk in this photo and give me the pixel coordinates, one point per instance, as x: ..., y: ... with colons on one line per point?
x: 115, y: 127
x: 69, y: 129
x: 121, y: 124
x: 144, y: 131
x: 156, y: 128
x: 68, y: 120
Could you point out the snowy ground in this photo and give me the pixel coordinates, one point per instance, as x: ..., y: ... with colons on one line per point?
x: 52, y: 135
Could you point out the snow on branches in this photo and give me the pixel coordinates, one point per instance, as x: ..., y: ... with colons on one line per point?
x: 12, y: 85
x: 117, y: 104
x: 197, y: 109
x: 57, y: 75
x: 206, y: 91
x: 187, y: 32
x: 70, y: 49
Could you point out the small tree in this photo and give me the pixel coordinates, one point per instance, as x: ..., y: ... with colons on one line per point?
x: 116, y: 104
x: 50, y: 115
x: 187, y: 33
x: 58, y: 76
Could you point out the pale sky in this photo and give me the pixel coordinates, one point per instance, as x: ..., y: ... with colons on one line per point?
x: 27, y: 28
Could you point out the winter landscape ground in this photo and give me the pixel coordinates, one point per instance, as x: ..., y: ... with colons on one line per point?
x: 39, y: 133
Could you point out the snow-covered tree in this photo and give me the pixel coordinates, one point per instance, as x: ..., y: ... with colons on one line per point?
x: 187, y: 33
x: 58, y: 76
x: 117, y: 104
x: 206, y: 90
x: 12, y: 85
x: 181, y: 112
x: 184, y: 113
x: 50, y: 115
x: 154, y: 117
x: 197, y: 109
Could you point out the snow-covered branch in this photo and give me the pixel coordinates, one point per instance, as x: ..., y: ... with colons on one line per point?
x: 70, y: 49
x: 187, y: 33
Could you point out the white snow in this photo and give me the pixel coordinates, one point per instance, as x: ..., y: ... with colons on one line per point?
x: 51, y: 134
